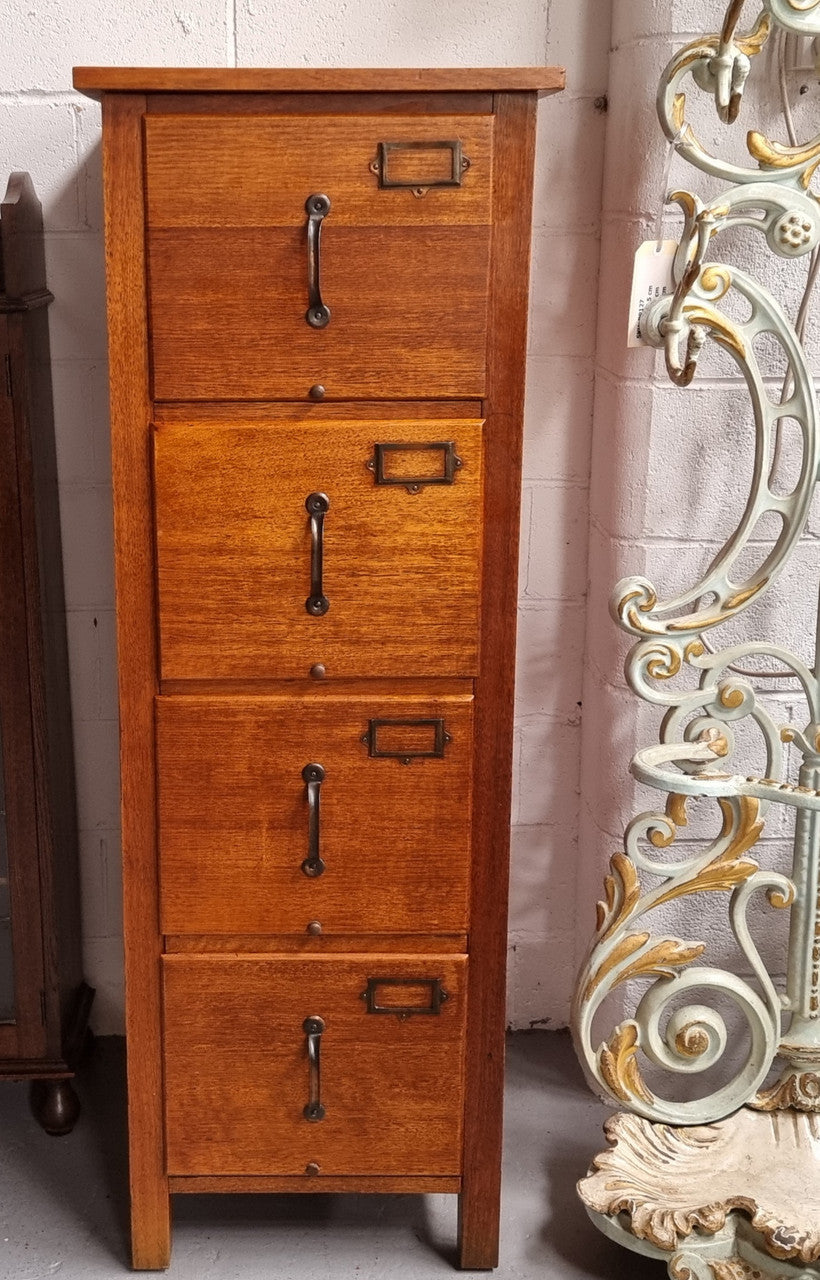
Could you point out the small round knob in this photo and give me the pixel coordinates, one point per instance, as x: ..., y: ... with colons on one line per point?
x: 312, y: 1169
x: 317, y: 391
x: 318, y: 671
x: 314, y: 928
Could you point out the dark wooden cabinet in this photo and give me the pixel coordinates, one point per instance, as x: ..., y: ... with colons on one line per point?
x: 44, y: 1002
x: 317, y: 458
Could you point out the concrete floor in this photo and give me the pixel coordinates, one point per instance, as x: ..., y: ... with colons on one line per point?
x: 63, y: 1201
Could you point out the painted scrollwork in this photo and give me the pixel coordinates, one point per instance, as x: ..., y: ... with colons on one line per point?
x: 720, y: 66
x: 693, y: 1037
x: 708, y: 696
x: 635, y: 603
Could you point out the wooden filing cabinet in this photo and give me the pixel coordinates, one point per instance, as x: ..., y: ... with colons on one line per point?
x: 318, y: 314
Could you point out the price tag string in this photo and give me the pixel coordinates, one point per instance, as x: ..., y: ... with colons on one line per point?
x: 671, y: 148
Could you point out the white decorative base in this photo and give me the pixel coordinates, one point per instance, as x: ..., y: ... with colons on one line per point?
x: 738, y: 1200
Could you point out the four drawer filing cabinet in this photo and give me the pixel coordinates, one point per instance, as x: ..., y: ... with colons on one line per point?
x: 317, y: 293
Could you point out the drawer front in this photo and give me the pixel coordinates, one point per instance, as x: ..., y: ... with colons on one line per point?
x: 238, y: 1073
x: 237, y: 549
x: 251, y: 843
x: 404, y: 275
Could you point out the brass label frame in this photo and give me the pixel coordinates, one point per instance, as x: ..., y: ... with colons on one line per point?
x: 440, y: 739
x: 437, y: 997
x: 413, y: 484
x: 381, y: 165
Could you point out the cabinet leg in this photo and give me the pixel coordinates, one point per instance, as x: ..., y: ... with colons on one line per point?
x: 478, y: 1230
x: 55, y: 1106
x: 151, y: 1228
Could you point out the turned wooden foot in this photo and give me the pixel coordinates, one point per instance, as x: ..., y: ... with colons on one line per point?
x: 55, y: 1106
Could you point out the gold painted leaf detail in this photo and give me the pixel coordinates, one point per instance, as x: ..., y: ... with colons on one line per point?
x: 679, y: 111
x: 622, y: 891
x: 731, y: 867
x: 618, y: 1066
x: 664, y: 960
x: 776, y: 155
x: 722, y: 330
x: 756, y: 39
x: 623, y: 949
x: 665, y: 663
x: 676, y: 808
x: 749, y: 825
x: 807, y: 175
x: 684, y: 198
x: 741, y: 597
x: 716, y: 280
x: 717, y: 876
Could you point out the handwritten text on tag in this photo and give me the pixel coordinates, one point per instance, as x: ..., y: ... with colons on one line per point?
x: 651, y: 279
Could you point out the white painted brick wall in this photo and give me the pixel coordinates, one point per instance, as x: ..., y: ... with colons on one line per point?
x: 47, y: 129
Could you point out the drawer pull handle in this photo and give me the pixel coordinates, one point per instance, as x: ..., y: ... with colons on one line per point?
x: 314, y: 776
x: 317, y: 208
x: 313, y: 1028
x: 317, y: 505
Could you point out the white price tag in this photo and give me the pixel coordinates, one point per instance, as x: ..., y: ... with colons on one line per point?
x: 651, y: 279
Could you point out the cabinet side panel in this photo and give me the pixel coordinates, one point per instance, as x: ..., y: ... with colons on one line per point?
x: 48, y: 678
x: 504, y: 408
x: 130, y: 414
x: 23, y: 1035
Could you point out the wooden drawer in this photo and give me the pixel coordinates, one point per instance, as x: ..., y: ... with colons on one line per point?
x: 401, y: 569
x: 237, y: 1072
x: 404, y: 276
x: 234, y: 814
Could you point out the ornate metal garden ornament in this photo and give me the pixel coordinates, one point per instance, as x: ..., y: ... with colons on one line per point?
x: 724, y: 1182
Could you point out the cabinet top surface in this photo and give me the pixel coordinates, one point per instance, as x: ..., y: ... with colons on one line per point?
x: 96, y: 80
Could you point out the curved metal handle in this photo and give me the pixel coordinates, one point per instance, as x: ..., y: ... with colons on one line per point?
x: 317, y: 208
x: 313, y: 1028
x: 317, y: 504
x: 314, y: 776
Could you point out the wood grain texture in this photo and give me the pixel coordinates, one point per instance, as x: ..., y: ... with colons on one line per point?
x: 479, y: 1203
x: 233, y: 818
x: 22, y: 248
x: 237, y: 1068
x: 234, y: 550
x: 47, y: 652
x: 418, y: 314
x: 386, y: 690
x: 408, y: 312
x: 133, y: 538
x: 39, y: 812
x: 268, y: 411
x: 197, y: 166
x: 26, y: 1035
x: 305, y: 944
x: 312, y: 104
x: 316, y: 80
x: 316, y: 1184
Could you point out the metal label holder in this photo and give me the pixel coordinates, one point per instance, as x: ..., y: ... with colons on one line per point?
x: 436, y: 752
x: 381, y: 165
x: 437, y: 996
x: 413, y: 484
